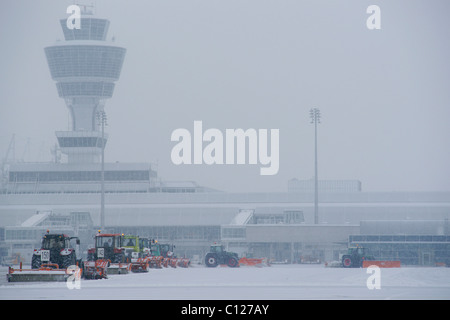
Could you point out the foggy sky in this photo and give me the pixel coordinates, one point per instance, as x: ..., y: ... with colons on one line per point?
x: 384, y: 94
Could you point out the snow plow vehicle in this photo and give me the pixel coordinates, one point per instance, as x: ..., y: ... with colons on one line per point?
x: 156, y: 258
x: 355, y: 257
x: 170, y: 259
x: 162, y: 255
x: 108, y: 256
x: 137, y: 252
x: 360, y: 257
x: 218, y: 255
x: 55, y: 260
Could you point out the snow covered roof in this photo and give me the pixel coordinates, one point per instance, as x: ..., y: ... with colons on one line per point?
x: 49, y: 166
x: 243, y: 217
x: 397, y: 227
x: 34, y: 220
x: 179, y: 184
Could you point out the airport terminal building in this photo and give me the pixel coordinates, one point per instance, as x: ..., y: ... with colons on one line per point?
x: 65, y: 196
x: 279, y: 226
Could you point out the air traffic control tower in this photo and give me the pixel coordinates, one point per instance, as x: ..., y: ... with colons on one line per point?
x: 85, y: 67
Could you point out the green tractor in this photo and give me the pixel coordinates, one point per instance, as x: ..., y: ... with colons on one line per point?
x: 158, y: 249
x: 144, y: 246
x: 355, y: 256
x: 218, y: 255
x: 167, y: 250
x: 132, y: 247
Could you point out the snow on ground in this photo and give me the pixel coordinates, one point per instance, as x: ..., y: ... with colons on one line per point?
x: 278, y: 282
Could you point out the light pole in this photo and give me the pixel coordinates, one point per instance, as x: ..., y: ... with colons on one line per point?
x: 101, y: 118
x: 315, y: 118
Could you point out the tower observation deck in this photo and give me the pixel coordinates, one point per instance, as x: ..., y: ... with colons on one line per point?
x: 85, y: 67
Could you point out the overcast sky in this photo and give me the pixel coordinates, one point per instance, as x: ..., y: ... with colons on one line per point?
x: 384, y: 94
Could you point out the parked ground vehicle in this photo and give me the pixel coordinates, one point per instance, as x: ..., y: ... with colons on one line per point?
x: 218, y: 255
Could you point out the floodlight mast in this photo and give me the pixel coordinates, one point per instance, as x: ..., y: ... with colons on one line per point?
x: 315, y: 118
x: 102, y: 120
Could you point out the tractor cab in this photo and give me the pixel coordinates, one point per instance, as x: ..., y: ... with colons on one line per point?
x: 155, y: 249
x: 54, y: 241
x: 107, y: 246
x: 167, y: 250
x: 131, y: 245
x: 360, y: 251
x: 144, y: 246
x: 216, y: 248
x: 161, y: 249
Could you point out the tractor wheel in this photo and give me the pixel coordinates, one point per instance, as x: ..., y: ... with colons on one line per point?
x: 232, y: 262
x: 211, y: 260
x: 346, y: 262
x: 68, y: 261
x: 35, y: 262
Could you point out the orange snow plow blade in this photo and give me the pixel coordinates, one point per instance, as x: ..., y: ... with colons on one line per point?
x: 96, y: 269
x: 254, y: 262
x: 381, y: 264
x: 47, y: 272
x: 173, y: 262
x: 183, y: 262
x: 156, y: 262
x: 140, y: 264
x: 119, y: 268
